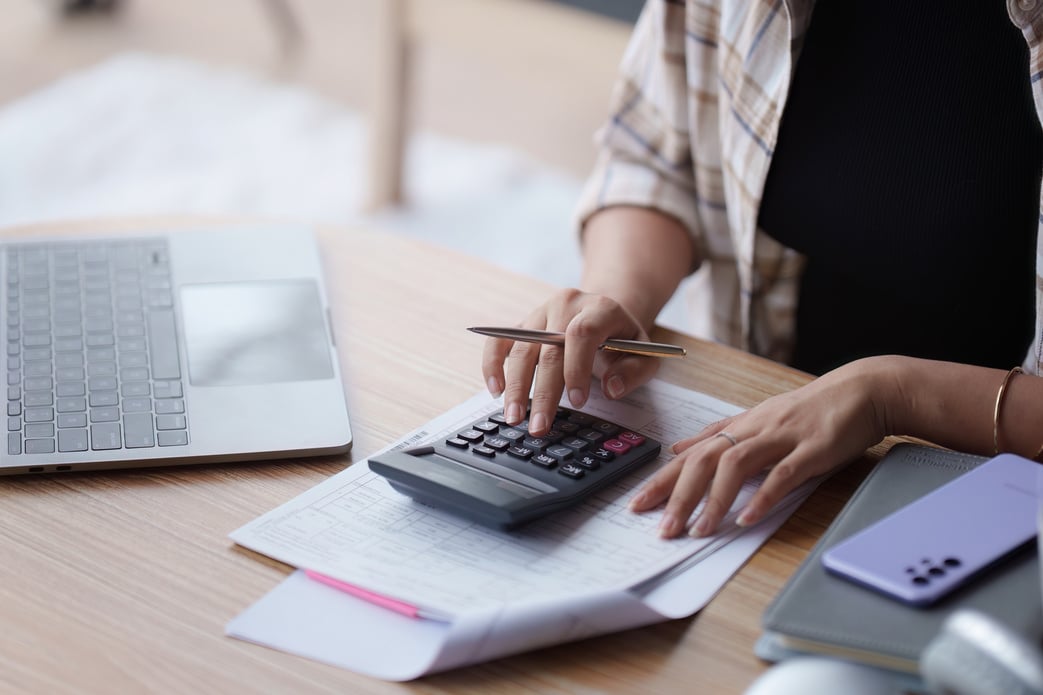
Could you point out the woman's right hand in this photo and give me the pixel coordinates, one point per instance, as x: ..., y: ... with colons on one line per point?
x: 587, y: 320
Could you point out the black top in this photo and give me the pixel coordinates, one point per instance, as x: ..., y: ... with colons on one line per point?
x: 908, y: 172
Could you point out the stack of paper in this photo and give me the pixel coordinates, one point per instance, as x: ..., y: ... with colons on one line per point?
x: 594, y: 569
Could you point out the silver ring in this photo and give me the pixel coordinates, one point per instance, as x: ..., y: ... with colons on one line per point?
x: 729, y: 436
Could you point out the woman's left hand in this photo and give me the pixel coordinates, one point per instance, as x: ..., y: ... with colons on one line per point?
x: 799, y: 435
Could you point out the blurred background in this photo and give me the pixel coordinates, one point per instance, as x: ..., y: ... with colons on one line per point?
x: 468, y: 123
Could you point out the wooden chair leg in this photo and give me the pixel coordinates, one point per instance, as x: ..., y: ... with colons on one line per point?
x: 389, y: 113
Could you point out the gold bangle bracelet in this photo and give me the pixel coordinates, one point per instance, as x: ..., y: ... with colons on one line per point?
x: 996, y: 410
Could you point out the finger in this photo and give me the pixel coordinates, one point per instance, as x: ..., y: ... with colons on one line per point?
x: 494, y: 354
x: 623, y: 374
x: 711, y: 430
x: 657, y: 488
x: 736, y: 463
x: 599, y: 320
x: 699, y: 468
x: 547, y: 391
x: 789, y: 473
x: 521, y: 364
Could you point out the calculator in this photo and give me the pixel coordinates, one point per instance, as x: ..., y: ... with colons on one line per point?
x: 501, y: 476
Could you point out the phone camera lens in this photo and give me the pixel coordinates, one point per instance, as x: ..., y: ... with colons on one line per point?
x: 936, y: 572
x: 952, y: 562
x: 920, y: 580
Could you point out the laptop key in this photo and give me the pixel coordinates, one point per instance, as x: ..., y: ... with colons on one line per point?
x: 137, y: 405
x: 170, y: 422
x: 72, y: 404
x: 137, y: 430
x: 99, y: 398
x: 106, y: 435
x: 106, y: 414
x: 162, y: 340
x: 71, y: 388
x: 72, y: 419
x: 39, y: 446
x: 170, y: 406
x: 168, y: 389
x: 39, y: 414
x: 39, y: 430
x: 134, y: 389
x: 72, y: 440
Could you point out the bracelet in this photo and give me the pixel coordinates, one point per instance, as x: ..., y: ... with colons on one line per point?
x: 996, y: 410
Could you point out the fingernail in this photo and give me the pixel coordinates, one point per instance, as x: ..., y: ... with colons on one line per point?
x: 493, y: 384
x: 614, y: 387
x: 538, y: 423
x: 746, y: 517
x: 637, y: 501
x: 513, y: 414
x: 668, y: 526
x: 577, y: 398
x: 701, y: 528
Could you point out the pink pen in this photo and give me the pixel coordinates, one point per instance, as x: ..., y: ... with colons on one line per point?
x: 400, y: 607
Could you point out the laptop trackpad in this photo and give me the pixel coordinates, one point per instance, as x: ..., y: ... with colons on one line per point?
x: 244, y: 333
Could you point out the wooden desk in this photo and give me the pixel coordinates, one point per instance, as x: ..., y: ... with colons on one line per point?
x: 122, y: 582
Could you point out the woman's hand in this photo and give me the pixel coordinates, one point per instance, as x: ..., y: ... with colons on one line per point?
x: 798, y: 435
x: 587, y: 320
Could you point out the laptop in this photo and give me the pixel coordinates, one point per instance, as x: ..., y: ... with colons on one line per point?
x: 199, y: 346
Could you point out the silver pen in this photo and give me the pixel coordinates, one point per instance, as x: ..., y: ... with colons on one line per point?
x: 633, y: 347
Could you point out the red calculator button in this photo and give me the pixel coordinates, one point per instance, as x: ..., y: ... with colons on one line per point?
x: 631, y: 438
x: 616, y: 446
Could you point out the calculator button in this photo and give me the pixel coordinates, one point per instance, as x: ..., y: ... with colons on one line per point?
x: 554, y: 436
x: 631, y: 438
x: 483, y: 450
x: 457, y: 442
x: 592, y: 436
x: 471, y: 435
x: 487, y: 426
x: 575, y: 443
x: 561, y: 453
x: 513, y: 435
x: 571, y: 471
x: 520, y: 452
x: 606, y: 428
x: 588, y: 462
x: 537, y: 443
x: 581, y: 419
x: 603, y: 455
x: 498, y: 443
x: 545, y: 461
x: 567, y: 427
x: 616, y: 446
x: 498, y: 418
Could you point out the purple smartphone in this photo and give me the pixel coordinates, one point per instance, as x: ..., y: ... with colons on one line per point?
x: 931, y: 546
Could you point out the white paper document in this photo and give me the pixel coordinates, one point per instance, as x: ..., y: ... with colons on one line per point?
x: 592, y: 569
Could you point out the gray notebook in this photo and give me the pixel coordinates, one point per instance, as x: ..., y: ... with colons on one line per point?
x: 819, y: 613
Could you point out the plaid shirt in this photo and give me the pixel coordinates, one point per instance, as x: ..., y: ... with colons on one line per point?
x: 694, y: 122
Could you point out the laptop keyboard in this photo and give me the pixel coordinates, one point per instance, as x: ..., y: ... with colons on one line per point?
x: 92, y: 355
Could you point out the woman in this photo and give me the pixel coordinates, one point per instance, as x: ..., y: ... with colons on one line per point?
x: 867, y: 212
